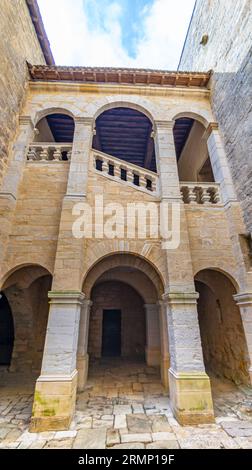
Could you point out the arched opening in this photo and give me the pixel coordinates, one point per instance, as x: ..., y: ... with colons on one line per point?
x: 127, y: 134
x: 26, y: 293
x: 117, y: 321
x: 222, y: 335
x: 123, y: 341
x: 6, y: 331
x: 194, y: 164
x: 53, y: 137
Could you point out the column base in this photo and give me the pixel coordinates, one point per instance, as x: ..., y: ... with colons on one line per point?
x: 54, y: 403
x: 164, y: 370
x: 82, y: 367
x: 191, y: 397
x: 152, y: 357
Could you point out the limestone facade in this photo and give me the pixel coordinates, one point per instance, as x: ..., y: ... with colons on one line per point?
x: 38, y: 210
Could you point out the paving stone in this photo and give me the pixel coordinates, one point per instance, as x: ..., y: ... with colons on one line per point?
x: 137, y: 408
x: 120, y: 422
x: 65, y: 434
x: 113, y: 437
x: 238, y: 428
x: 122, y: 410
x: 200, y: 444
x: 138, y: 423
x: 160, y: 424
x: 59, y: 444
x: 135, y: 445
x: 38, y: 444
x: 162, y: 436
x: 90, y: 439
x: 145, y: 437
x: 167, y: 444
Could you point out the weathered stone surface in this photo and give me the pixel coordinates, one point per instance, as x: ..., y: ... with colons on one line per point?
x: 145, y: 437
x: 167, y: 444
x: 135, y: 445
x: 138, y: 423
x: 238, y: 429
x: 113, y: 437
x: 160, y: 424
x: 90, y: 439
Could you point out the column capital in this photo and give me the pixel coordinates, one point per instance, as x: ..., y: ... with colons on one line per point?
x: 26, y: 121
x: 180, y: 297
x: 243, y: 299
x: 66, y: 297
x: 150, y: 307
x: 212, y: 126
x: 164, y: 124
x: 85, y: 120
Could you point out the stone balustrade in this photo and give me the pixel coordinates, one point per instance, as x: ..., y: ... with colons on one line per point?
x: 120, y: 170
x: 49, y: 152
x: 200, y: 193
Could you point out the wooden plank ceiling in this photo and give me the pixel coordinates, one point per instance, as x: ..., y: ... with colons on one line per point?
x: 123, y: 133
x: 126, y: 134
x: 61, y: 126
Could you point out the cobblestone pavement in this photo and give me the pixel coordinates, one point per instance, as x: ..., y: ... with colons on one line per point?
x: 125, y: 407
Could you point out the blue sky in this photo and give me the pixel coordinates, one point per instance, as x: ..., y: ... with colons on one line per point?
x: 129, y: 33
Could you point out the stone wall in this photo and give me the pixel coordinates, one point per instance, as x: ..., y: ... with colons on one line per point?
x: 117, y: 295
x: 222, y: 335
x: 229, y: 53
x: 30, y: 313
x: 19, y: 43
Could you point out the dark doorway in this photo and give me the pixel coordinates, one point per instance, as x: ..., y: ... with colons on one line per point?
x: 6, y: 331
x: 111, y: 333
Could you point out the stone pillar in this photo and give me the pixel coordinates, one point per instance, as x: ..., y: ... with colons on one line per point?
x: 189, y: 385
x: 70, y: 250
x: 152, y: 350
x: 244, y: 302
x: 11, y: 181
x: 55, y: 392
x: 165, y: 355
x: 219, y: 163
x: 82, y: 355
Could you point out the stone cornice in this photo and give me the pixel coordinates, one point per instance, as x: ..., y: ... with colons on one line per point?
x: 212, y: 126
x: 244, y: 298
x: 25, y: 120
x: 180, y: 297
x: 66, y: 297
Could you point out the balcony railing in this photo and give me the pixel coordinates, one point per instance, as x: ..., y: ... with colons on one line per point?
x: 200, y: 193
x: 124, y: 172
x: 49, y: 152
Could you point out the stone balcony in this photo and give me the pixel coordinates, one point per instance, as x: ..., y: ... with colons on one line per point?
x: 49, y: 152
x: 200, y: 193
x: 126, y: 173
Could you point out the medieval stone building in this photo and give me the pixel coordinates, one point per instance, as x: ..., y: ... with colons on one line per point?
x: 103, y: 136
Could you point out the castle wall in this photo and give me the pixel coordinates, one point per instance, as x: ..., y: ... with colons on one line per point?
x: 228, y: 52
x: 19, y: 43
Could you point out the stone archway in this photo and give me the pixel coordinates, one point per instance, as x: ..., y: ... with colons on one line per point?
x: 128, y: 284
x: 222, y: 334
x: 26, y: 290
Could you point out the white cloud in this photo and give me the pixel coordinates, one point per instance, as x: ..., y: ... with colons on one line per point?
x: 75, y: 42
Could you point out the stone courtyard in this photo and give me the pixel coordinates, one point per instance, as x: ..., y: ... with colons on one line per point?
x: 124, y: 406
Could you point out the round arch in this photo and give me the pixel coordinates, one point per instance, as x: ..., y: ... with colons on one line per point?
x: 52, y: 110
x: 201, y: 277
x: 114, y: 260
x: 204, y: 120
x: 142, y: 105
x: 20, y: 273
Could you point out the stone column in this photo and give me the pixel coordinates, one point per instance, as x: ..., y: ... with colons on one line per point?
x: 11, y: 181
x: 152, y: 350
x: 189, y: 385
x: 82, y: 355
x: 165, y: 355
x: 244, y: 302
x: 55, y: 392
x: 219, y: 163
x: 70, y: 250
